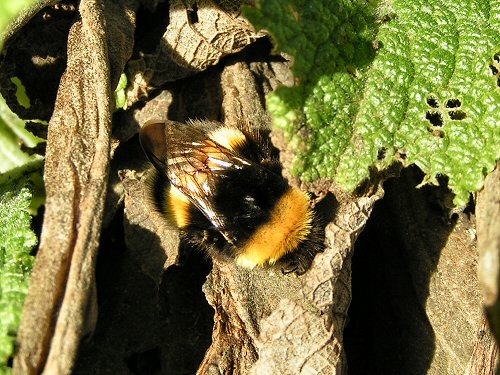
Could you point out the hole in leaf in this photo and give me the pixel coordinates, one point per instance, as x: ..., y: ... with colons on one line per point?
x: 381, y: 153
x: 401, y: 154
x: 457, y: 115
x: 453, y: 103
x: 432, y: 102
x: 496, y: 57
x: 192, y: 15
x: 498, y: 82
x: 494, y: 70
x: 435, y: 118
x: 437, y: 133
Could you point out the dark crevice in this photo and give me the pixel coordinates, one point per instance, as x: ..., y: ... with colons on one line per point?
x: 146, y: 326
x: 192, y: 15
x: 145, y: 363
x: 187, y: 316
x: 150, y: 29
x: 10, y: 362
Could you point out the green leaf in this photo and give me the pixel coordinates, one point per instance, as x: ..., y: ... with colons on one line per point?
x: 120, y: 96
x: 9, y: 9
x: 12, y: 135
x: 16, y: 242
x: 14, y: 163
x: 20, y: 175
x: 424, y: 91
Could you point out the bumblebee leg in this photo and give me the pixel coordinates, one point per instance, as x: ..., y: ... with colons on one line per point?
x: 295, y: 263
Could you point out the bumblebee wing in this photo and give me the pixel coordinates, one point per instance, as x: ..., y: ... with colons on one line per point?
x: 193, y: 163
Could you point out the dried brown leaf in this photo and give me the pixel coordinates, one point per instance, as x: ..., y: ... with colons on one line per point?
x: 488, y: 235
x: 59, y: 310
x: 415, y: 285
x: 36, y: 54
x: 195, y: 39
x: 485, y: 355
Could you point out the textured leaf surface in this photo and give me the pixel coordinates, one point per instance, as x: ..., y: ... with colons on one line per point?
x: 16, y: 241
x: 16, y: 237
x: 12, y: 135
x: 424, y: 91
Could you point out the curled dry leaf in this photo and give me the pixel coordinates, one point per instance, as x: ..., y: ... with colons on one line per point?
x: 196, y: 38
x: 131, y: 120
x: 484, y: 357
x: 58, y: 309
x: 415, y: 285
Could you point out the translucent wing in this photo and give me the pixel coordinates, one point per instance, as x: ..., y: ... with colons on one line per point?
x: 193, y: 163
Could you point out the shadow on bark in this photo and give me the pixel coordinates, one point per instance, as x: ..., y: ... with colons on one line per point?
x: 145, y: 327
x: 395, y: 259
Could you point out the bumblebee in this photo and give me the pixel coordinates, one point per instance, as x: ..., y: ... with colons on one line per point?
x: 223, y: 188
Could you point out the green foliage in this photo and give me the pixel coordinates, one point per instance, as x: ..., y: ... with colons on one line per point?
x: 20, y: 175
x: 120, y: 96
x: 9, y: 9
x: 417, y: 84
x: 12, y: 134
x: 16, y: 241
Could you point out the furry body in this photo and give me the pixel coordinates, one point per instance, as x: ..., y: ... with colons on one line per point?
x: 223, y: 188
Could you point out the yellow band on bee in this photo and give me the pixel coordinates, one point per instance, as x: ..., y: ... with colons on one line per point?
x: 179, y: 206
x: 289, y: 225
x: 231, y: 138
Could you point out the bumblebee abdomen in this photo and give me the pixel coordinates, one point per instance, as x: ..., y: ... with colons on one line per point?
x: 288, y: 226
